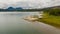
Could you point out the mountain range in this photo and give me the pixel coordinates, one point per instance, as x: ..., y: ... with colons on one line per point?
x: 21, y: 9
x: 12, y: 9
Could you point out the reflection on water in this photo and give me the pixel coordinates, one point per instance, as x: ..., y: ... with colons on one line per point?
x: 12, y: 23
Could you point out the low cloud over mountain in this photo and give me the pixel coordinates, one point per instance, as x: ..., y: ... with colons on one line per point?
x: 28, y: 3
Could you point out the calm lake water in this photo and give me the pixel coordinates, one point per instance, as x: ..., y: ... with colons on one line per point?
x: 13, y: 23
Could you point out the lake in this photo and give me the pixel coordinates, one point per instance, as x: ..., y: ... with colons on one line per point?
x: 13, y: 23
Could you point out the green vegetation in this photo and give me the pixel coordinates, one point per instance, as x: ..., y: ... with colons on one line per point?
x: 52, y: 17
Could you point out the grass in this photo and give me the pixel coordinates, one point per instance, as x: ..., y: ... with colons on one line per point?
x: 51, y: 20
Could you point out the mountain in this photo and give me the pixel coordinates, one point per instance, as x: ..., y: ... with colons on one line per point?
x: 10, y: 8
x: 13, y: 9
x: 18, y: 8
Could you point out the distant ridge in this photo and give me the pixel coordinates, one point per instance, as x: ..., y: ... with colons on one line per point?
x: 21, y: 9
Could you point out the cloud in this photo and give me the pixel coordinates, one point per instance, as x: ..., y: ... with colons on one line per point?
x: 28, y: 3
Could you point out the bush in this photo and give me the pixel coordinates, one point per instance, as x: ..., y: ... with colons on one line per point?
x: 53, y: 11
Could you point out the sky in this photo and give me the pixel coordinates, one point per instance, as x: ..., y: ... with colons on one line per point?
x: 29, y: 3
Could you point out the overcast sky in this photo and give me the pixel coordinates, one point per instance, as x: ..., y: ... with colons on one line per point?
x: 28, y: 3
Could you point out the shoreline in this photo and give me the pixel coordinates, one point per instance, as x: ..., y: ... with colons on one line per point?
x: 51, y: 20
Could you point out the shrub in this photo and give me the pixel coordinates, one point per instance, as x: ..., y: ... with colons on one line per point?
x: 53, y: 11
